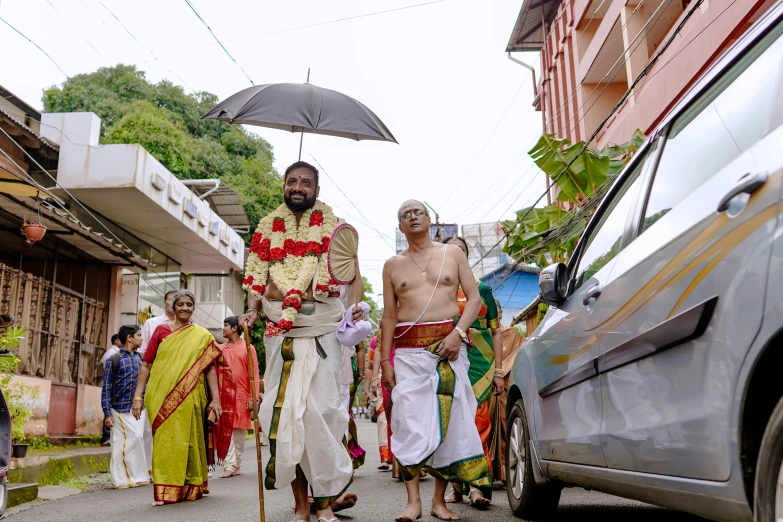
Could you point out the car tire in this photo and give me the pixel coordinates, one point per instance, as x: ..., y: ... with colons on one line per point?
x: 526, y: 498
x: 768, y: 494
x: 3, y: 495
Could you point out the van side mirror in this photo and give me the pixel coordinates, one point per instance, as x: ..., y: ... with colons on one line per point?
x: 553, y: 282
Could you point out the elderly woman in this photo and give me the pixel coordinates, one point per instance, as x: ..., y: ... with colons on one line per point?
x: 179, y: 358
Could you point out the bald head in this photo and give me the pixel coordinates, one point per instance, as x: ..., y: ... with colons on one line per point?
x: 411, y: 204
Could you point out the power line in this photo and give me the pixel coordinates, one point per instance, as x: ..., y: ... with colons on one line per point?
x: 35, y: 44
x: 624, y: 53
x: 218, y: 41
x: 146, y: 48
x: 77, y: 32
x: 492, y: 135
x: 368, y: 223
x: 308, y: 26
x: 622, y: 100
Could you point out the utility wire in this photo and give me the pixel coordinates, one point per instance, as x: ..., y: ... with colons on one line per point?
x: 218, y: 41
x: 369, y: 223
x: 308, y: 26
x: 620, y: 102
x: 80, y: 35
x: 492, y: 135
x: 576, y: 112
x: 35, y: 44
x: 145, y: 47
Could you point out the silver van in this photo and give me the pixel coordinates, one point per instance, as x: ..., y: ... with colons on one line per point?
x: 657, y: 372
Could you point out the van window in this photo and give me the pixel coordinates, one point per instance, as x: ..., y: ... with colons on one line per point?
x: 737, y: 111
x: 605, y: 240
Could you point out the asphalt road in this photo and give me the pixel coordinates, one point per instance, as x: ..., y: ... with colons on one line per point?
x: 380, y: 499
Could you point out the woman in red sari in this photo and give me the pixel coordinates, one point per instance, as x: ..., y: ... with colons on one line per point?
x: 180, y: 358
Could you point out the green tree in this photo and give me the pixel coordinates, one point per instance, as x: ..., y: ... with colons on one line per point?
x: 167, y: 123
x: 375, y: 312
x: 549, y: 234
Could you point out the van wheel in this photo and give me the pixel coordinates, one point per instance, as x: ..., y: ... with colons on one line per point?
x: 526, y: 498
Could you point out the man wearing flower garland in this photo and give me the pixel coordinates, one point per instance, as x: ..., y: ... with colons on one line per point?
x: 286, y: 274
x: 424, y: 364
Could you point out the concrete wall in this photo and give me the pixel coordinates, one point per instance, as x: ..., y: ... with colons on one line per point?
x: 89, y: 415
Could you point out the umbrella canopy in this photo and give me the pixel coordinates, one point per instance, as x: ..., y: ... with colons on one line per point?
x: 302, y: 107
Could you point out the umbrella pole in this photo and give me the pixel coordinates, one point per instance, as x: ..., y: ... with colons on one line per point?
x: 254, y: 395
x: 301, y: 136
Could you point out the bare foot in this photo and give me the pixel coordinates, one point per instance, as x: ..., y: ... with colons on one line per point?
x: 477, y: 499
x: 157, y: 503
x: 304, y: 515
x: 453, y: 497
x: 411, y: 514
x: 346, y: 501
x: 443, y: 513
x: 326, y: 514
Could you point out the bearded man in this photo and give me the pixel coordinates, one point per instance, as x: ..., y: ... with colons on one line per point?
x: 302, y: 415
x: 432, y: 403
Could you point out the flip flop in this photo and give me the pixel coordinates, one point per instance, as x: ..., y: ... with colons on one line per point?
x: 333, y: 519
x: 406, y: 519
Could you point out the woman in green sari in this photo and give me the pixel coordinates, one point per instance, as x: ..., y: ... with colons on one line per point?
x: 179, y: 358
x: 485, y: 375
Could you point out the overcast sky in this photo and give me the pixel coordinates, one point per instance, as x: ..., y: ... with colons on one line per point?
x: 436, y: 74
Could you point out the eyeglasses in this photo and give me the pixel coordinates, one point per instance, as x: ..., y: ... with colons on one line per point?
x: 418, y: 212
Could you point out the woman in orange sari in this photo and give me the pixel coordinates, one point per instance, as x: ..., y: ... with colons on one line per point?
x: 180, y: 357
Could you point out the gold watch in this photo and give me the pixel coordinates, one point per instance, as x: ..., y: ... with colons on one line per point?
x: 462, y: 334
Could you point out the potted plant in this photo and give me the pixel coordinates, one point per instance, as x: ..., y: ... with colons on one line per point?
x: 19, y: 397
x: 33, y: 231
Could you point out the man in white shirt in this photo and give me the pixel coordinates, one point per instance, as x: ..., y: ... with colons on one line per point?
x: 151, y: 324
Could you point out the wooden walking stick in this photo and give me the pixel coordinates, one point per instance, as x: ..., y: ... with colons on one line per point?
x: 254, y: 413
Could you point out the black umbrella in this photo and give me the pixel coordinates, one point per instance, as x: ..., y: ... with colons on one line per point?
x: 302, y: 107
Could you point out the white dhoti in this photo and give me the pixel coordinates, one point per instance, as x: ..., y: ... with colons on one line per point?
x: 303, y: 415
x: 148, y: 443
x: 433, y: 409
x: 128, y: 458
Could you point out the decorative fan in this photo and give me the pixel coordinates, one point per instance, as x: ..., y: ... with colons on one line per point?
x: 343, y: 254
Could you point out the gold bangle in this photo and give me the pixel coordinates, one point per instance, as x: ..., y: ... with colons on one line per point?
x: 499, y: 373
x: 138, y: 398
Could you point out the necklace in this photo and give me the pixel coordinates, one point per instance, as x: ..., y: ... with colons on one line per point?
x: 423, y: 270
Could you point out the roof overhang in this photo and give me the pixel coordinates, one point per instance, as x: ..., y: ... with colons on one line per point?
x: 222, y: 199
x: 128, y: 186
x: 530, y: 28
x: 81, y: 239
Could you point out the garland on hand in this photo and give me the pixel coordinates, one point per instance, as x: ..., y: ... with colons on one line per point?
x: 290, y: 255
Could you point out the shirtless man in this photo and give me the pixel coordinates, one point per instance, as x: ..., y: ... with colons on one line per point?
x: 432, y: 424
x: 302, y: 317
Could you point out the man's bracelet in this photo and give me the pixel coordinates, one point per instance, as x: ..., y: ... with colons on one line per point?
x: 256, y: 310
x: 385, y: 360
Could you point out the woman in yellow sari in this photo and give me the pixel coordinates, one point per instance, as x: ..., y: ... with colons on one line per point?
x: 179, y: 358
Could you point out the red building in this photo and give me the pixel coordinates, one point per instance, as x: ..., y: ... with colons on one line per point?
x: 591, y: 51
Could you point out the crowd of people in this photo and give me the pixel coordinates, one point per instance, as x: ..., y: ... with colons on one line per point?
x: 176, y: 402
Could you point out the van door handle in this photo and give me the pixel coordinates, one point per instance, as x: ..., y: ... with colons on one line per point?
x: 748, y: 184
x: 593, y: 293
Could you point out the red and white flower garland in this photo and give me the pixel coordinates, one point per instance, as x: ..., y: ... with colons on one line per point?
x: 290, y: 255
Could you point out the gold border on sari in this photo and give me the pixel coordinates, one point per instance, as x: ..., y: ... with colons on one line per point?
x: 186, y: 384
